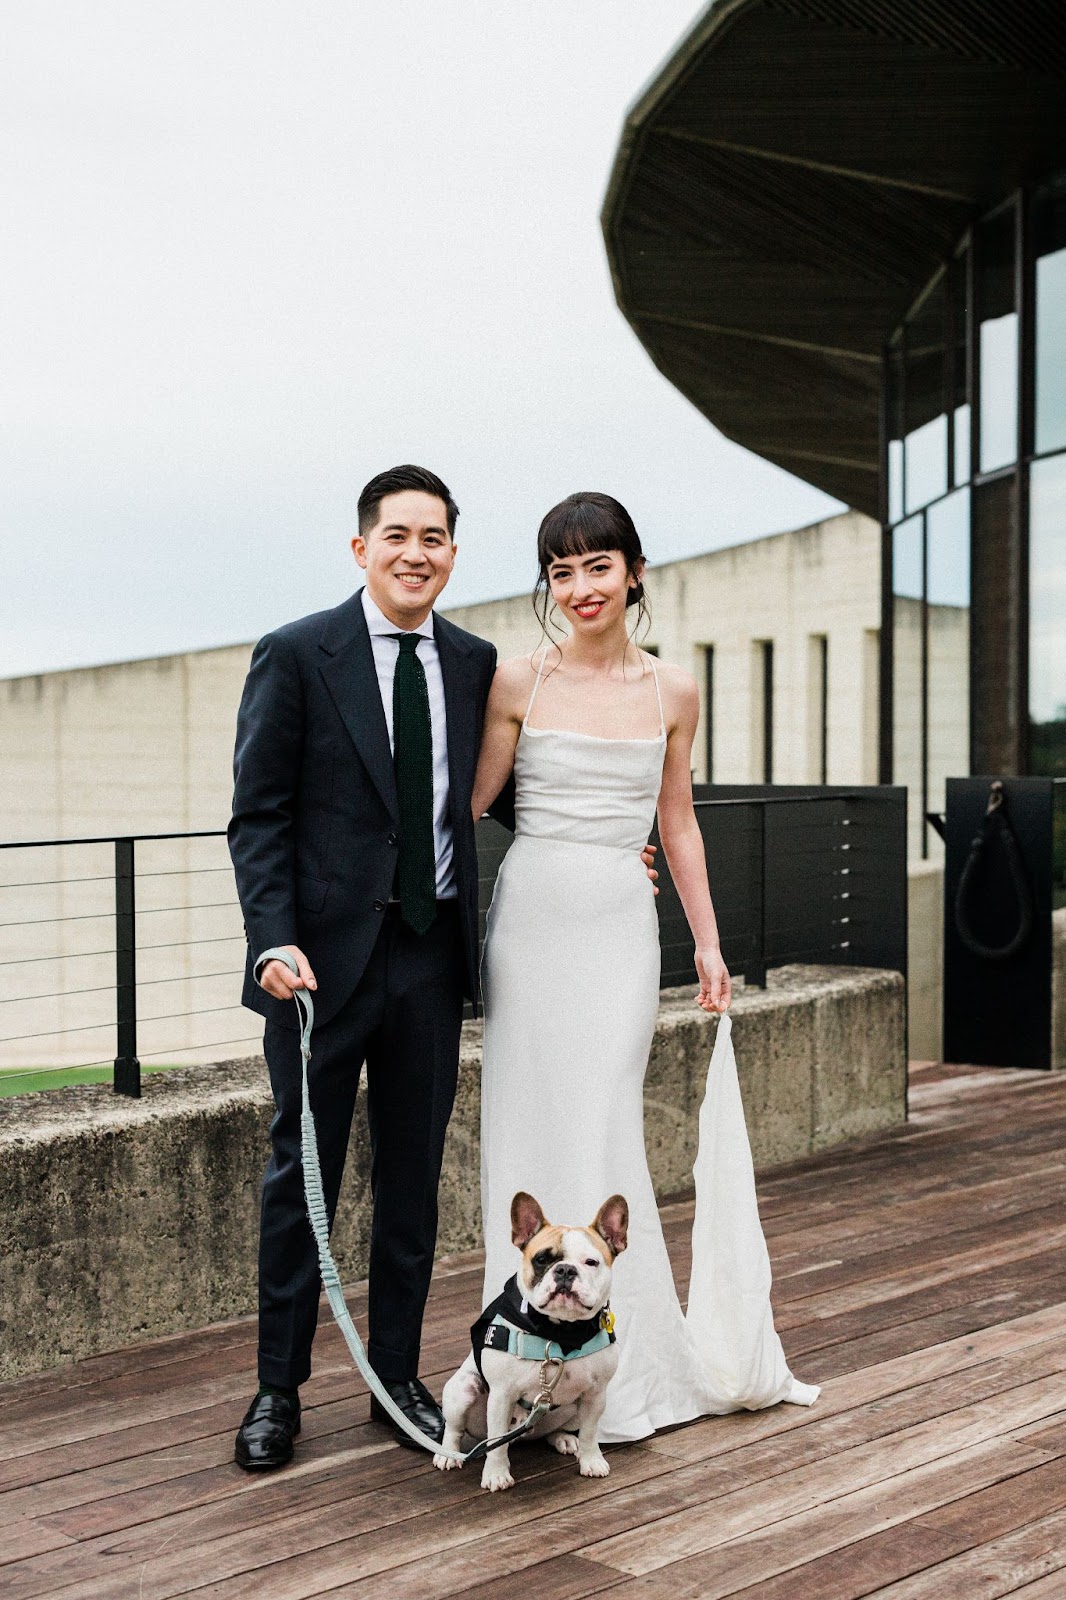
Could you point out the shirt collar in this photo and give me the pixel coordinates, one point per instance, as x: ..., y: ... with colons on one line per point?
x: 379, y: 626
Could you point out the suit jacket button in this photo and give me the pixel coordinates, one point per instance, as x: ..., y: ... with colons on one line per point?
x: 379, y: 905
x: 394, y: 838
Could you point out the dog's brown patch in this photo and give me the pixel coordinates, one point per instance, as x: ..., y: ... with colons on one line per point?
x: 541, y: 1254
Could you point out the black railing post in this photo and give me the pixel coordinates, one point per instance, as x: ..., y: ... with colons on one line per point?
x: 755, y: 972
x: 127, y: 1067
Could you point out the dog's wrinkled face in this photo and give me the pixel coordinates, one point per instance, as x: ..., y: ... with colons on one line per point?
x: 566, y: 1272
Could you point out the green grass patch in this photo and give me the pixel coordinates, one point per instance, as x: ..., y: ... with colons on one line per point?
x: 28, y: 1081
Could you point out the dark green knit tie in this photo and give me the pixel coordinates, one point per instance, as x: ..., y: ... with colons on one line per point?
x: 412, y: 739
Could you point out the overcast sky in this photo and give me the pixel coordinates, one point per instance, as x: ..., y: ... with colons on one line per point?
x: 253, y: 253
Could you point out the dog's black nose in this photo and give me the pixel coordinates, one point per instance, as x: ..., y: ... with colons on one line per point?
x: 565, y: 1274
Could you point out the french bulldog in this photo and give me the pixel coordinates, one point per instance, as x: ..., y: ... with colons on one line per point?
x: 560, y: 1292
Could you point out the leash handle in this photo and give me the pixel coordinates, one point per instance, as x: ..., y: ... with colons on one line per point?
x: 331, y: 1282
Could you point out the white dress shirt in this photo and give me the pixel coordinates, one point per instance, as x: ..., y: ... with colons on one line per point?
x: 386, y: 651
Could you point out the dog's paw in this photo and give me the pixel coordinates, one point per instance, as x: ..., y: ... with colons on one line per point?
x: 565, y: 1443
x: 596, y: 1466
x: 446, y: 1463
x: 496, y: 1478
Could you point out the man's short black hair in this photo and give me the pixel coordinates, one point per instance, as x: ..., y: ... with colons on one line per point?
x: 395, y: 481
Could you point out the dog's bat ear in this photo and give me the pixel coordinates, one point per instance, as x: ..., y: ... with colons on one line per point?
x: 612, y: 1223
x: 527, y: 1219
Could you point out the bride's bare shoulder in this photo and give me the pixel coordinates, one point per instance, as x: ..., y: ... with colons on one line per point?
x: 681, y: 697
x: 515, y: 678
x: 520, y: 670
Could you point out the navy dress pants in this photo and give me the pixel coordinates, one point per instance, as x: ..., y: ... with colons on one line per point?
x: 403, y: 1020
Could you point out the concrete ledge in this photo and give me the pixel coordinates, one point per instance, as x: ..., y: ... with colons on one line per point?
x: 123, y: 1219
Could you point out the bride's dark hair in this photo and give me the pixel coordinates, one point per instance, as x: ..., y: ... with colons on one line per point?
x: 578, y: 525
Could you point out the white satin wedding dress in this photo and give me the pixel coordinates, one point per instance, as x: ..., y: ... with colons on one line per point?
x: 571, y: 985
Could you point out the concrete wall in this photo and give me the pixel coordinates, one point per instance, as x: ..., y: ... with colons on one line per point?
x: 925, y: 960
x: 122, y: 1220
x: 135, y: 747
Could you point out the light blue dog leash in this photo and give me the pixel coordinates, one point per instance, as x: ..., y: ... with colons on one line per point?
x: 331, y: 1282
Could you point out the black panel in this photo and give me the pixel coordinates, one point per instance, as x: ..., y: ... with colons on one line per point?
x: 998, y: 1012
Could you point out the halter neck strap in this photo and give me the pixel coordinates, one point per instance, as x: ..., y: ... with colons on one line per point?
x: 536, y: 686
x: 659, y: 697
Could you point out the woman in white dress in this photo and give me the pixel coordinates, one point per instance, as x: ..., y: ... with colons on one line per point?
x: 599, y: 737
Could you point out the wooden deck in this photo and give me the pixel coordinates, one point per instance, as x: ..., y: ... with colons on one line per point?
x: 920, y: 1277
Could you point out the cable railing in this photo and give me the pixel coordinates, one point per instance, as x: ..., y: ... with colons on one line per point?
x: 815, y: 876
x: 81, y: 1002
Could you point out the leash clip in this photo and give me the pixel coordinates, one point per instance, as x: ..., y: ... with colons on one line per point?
x: 548, y: 1381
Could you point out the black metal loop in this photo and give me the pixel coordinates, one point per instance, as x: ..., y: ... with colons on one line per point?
x: 995, y: 827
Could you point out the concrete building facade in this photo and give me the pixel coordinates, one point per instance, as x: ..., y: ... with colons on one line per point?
x: 146, y: 746
x: 781, y: 635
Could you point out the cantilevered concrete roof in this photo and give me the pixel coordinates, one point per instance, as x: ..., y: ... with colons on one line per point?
x: 792, y: 178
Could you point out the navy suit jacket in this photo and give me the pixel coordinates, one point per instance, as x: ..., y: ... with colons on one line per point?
x: 313, y: 835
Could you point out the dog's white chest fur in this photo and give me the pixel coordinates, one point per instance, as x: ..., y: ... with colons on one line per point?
x: 580, y: 1379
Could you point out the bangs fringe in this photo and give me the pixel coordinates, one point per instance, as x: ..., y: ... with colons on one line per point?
x: 575, y: 530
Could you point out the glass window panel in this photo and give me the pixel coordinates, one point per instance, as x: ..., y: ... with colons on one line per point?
x: 959, y: 398
x: 999, y: 391
x: 895, y: 479
x: 925, y: 392
x: 948, y: 551
x: 1051, y: 352
x: 948, y: 646
x: 962, y: 444
x: 1047, y: 617
x: 998, y: 341
x: 1049, y: 213
x: 927, y: 463
x: 893, y: 382
x: 907, y: 648
x: 907, y: 559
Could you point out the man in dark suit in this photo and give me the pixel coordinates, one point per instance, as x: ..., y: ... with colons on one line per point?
x: 353, y: 847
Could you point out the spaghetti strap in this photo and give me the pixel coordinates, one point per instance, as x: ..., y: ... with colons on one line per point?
x: 536, y: 686
x: 658, y: 696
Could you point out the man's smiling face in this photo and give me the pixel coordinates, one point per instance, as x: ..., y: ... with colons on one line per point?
x: 408, y: 556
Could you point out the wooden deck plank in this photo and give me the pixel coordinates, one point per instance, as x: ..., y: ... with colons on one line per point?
x: 196, y: 1459
x: 1030, y: 1235
x: 703, y: 1524
x: 731, y: 1564
x: 994, y: 1568
x: 428, y: 1513
x: 826, y: 1436
x: 919, y: 1274
x: 997, y: 1288
x: 1049, y: 1588
x: 869, y: 1564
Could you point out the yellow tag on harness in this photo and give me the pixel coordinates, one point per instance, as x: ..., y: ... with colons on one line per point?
x: 607, y: 1321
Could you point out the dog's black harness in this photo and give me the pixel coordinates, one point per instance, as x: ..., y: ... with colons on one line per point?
x: 511, y: 1323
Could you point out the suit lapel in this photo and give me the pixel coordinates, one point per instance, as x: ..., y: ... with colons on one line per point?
x: 460, y: 700
x: 351, y: 678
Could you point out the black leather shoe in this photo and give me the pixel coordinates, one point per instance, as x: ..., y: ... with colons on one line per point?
x: 417, y: 1404
x: 264, y: 1439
